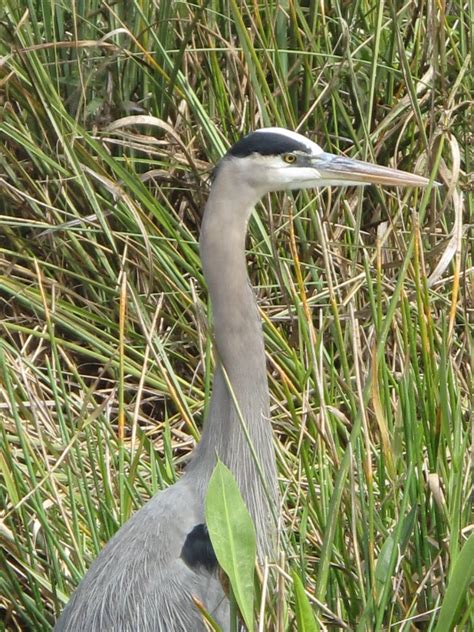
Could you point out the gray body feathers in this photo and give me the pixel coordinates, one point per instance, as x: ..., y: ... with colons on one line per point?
x: 139, y: 583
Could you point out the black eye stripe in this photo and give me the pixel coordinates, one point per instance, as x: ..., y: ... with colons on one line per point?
x: 266, y: 144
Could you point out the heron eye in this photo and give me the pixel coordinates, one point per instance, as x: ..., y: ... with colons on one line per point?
x: 289, y: 158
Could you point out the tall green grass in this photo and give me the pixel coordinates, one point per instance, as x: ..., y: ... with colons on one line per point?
x: 112, y: 116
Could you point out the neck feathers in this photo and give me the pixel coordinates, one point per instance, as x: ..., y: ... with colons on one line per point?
x: 240, y: 389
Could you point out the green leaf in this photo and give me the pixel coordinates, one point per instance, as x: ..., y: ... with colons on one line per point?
x: 461, y: 577
x: 232, y: 534
x: 304, y: 613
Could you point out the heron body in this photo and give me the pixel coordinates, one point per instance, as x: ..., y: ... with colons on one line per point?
x: 149, y: 574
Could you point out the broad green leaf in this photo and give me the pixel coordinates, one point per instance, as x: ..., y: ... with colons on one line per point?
x: 304, y: 613
x: 461, y: 577
x: 232, y: 534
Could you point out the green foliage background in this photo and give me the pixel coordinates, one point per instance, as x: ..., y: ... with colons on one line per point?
x: 112, y: 116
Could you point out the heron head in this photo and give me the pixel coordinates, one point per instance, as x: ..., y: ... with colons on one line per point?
x: 275, y: 159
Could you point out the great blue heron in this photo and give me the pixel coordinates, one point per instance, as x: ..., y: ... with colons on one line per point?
x: 145, y: 577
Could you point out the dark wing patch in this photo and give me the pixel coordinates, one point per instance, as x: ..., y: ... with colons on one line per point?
x: 265, y: 144
x: 197, y: 549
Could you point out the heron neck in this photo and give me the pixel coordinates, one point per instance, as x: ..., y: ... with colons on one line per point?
x: 240, y: 388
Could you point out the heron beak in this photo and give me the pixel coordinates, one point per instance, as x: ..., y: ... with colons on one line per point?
x: 342, y: 171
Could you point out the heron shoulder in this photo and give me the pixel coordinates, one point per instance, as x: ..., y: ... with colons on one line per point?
x: 197, y: 550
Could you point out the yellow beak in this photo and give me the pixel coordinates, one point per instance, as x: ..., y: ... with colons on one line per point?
x: 339, y: 171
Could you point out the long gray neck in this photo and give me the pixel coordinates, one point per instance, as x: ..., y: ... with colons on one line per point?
x: 240, y: 376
